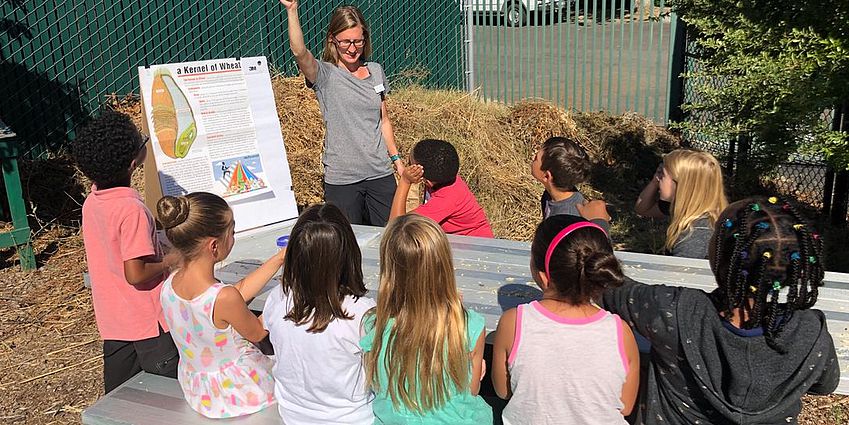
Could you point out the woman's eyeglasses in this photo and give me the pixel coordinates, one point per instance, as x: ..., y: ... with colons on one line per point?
x: 346, y: 44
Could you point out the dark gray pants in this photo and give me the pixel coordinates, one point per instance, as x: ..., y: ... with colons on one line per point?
x: 366, y: 202
x: 123, y: 359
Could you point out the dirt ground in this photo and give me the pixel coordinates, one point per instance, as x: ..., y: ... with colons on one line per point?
x: 50, y: 352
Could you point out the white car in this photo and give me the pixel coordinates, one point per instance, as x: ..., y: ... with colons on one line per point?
x: 516, y: 12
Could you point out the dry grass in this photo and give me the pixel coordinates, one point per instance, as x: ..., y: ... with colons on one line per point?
x: 49, y: 346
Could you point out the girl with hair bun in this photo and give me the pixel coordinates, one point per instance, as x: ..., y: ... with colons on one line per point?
x: 221, y: 373
x: 748, y: 351
x: 563, y: 359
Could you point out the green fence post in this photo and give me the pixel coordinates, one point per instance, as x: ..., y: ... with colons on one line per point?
x: 19, y: 236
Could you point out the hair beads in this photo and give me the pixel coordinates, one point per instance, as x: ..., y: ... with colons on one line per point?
x: 764, y: 251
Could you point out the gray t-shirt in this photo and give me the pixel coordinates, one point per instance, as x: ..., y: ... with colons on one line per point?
x: 354, y: 149
x: 693, y: 243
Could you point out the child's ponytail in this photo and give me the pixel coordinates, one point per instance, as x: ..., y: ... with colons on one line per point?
x: 577, y: 258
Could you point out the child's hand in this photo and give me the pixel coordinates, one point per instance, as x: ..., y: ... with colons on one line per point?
x: 594, y: 210
x: 279, y: 257
x: 413, y: 174
x: 658, y: 174
x: 172, y: 259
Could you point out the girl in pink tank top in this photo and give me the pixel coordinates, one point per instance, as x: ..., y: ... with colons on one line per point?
x: 562, y: 359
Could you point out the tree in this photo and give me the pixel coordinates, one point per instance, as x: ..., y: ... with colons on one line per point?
x: 770, y: 70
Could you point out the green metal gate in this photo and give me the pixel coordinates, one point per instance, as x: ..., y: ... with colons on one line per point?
x: 588, y: 55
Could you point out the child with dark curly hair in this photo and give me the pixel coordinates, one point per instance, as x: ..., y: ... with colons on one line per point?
x: 123, y: 254
x: 562, y: 359
x: 448, y: 200
x: 749, y: 350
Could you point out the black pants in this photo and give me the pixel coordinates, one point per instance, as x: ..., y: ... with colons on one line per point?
x: 366, y: 202
x: 123, y: 359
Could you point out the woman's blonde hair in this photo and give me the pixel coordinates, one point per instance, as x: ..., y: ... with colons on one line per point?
x: 427, y: 350
x: 344, y: 18
x: 699, y: 190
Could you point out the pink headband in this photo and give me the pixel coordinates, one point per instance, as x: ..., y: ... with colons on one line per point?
x: 562, y: 235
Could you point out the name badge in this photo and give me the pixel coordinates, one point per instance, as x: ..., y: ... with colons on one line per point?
x: 379, y: 89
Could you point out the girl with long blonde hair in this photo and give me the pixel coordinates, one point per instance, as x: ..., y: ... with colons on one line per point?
x: 688, y: 189
x: 424, y: 351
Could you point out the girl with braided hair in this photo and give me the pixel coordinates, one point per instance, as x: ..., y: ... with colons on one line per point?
x: 748, y: 351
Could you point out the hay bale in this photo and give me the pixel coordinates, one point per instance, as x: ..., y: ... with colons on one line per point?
x: 303, y: 133
x: 496, y: 144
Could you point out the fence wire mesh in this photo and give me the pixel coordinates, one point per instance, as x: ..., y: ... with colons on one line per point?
x: 801, y: 177
x: 59, y: 60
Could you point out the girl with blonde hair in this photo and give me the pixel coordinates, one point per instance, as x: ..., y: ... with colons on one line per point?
x: 359, y: 144
x: 424, y: 350
x: 688, y: 189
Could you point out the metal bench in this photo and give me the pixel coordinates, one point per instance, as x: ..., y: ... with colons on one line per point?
x: 156, y: 400
x: 492, y: 274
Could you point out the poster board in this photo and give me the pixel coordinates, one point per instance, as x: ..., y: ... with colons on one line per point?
x: 213, y: 127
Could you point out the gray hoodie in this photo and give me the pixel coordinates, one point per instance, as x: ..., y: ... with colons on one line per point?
x: 705, y: 371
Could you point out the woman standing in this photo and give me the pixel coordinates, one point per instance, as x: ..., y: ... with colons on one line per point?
x: 359, y: 145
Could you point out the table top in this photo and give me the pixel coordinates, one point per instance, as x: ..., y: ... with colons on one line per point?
x: 494, y: 275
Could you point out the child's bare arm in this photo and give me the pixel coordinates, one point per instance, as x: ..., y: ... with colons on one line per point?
x: 632, y: 380
x: 139, y: 271
x: 646, y: 205
x: 477, y: 364
x: 256, y: 280
x: 504, y: 335
x: 410, y: 175
x: 230, y: 309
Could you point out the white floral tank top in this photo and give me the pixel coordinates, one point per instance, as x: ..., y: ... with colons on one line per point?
x: 222, y: 374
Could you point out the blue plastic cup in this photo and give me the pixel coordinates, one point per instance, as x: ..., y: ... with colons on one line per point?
x: 282, y: 242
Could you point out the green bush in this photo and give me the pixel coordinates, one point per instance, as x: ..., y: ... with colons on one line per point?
x: 770, y: 70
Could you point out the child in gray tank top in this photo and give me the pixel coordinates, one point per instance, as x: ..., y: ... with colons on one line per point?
x: 561, y: 165
x: 562, y: 359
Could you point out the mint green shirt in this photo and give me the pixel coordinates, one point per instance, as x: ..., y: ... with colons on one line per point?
x: 460, y: 408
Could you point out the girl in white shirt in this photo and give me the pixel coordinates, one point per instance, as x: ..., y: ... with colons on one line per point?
x: 313, y: 319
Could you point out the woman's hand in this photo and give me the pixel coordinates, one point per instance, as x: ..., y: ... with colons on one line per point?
x: 399, y: 167
x: 290, y: 5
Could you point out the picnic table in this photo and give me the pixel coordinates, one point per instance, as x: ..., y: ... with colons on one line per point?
x: 493, y: 275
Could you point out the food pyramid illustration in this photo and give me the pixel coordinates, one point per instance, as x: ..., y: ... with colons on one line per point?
x: 242, y: 180
x: 172, y: 116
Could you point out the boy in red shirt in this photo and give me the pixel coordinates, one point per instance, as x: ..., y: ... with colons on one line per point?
x: 123, y: 254
x: 448, y: 200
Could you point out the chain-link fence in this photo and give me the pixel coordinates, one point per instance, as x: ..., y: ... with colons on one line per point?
x: 59, y: 60
x: 801, y: 177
